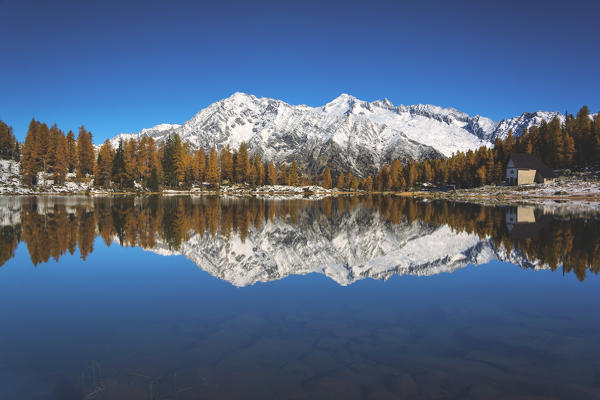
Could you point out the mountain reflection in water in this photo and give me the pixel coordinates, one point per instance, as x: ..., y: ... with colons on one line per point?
x: 124, y: 313
x: 246, y: 240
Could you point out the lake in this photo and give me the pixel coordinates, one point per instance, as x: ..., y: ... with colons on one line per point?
x: 373, y: 297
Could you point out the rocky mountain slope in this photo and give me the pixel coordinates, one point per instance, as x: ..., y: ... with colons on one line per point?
x: 346, y: 134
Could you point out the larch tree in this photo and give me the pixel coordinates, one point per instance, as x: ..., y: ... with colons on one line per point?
x: 104, y: 166
x: 29, y: 165
x: 282, y: 176
x: 326, y: 179
x: 130, y: 159
x: 213, y: 175
x: 85, y: 152
x: 226, y: 164
x: 242, y: 167
x: 340, y: 181
x: 60, y: 160
x: 173, y: 161
x: 200, y: 164
x: 293, y: 178
x: 271, y: 174
x: 118, y: 170
x: 72, y: 157
x: 8, y: 142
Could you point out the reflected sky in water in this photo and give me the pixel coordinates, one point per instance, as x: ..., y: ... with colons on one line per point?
x: 135, y: 323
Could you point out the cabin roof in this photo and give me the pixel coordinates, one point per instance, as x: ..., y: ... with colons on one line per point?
x: 530, y: 161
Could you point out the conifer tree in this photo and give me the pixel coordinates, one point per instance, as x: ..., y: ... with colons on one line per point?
x: 53, y: 138
x: 226, y: 164
x: 29, y: 165
x: 8, y: 142
x: 271, y: 174
x: 242, y: 167
x: 282, y: 176
x: 340, y: 181
x: 40, y: 150
x: 293, y: 178
x: 326, y: 179
x: 349, y: 179
x: 173, y: 161
x: 412, y: 175
x: 60, y: 160
x: 130, y: 159
x: 259, y: 170
x: 104, y: 166
x: 85, y: 152
x: 119, y: 172
x: 252, y: 178
x: 200, y: 164
x: 368, y: 184
x: 72, y: 157
x: 212, y: 168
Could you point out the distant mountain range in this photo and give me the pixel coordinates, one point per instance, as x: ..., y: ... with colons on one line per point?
x: 346, y: 134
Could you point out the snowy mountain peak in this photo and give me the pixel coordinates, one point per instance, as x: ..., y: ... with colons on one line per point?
x: 346, y: 134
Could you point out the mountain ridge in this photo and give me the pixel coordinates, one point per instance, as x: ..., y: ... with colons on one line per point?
x: 346, y: 134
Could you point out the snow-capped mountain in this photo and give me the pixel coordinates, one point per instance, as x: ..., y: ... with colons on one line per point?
x: 346, y: 134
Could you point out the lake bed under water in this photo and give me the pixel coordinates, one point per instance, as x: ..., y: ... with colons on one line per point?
x: 353, y: 298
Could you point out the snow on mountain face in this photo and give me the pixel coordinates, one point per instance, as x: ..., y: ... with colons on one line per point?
x: 158, y: 132
x: 524, y: 121
x: 346, y: 134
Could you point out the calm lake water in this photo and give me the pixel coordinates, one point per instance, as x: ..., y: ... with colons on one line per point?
x: 350, y: 298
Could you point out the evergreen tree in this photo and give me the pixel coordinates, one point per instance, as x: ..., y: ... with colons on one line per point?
x: 242, y: 167
x: 8, y: 142
x: 85, y: 152
x: 130, y: 160
x: 340, y: 181
x: 53, y: 139
x: 226, y: 164
x: 173, y: 161
x: 212, y: 169
x: 104, y: 167
x: 283, y: 175
x: 271, y: 174
x: 326, y: 179
x: 72, y: 157
x: 200, y: 164
x: 259, y: 171
x: 29, y: 165
x: 293, y: 178
x: 60, y: 160
x: 412, y: 175
x: 119, y: 172
x: 40, y: 149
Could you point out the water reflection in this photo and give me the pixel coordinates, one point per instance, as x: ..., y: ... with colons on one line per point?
x: 248, y: 240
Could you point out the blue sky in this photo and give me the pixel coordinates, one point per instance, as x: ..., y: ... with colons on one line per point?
x: 123, y: 66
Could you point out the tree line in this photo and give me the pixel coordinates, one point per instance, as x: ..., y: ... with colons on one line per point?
x: 173, y: 164
x: 572, y: 144
x: 51, y: 231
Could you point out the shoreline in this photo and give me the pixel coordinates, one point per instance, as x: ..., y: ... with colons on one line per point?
x: 460, y: 194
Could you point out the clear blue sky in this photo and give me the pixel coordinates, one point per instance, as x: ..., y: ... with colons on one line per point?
x: 122, y: 66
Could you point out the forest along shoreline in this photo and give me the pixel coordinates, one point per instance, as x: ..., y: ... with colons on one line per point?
x: 576, y: 189
x: 579, y: 191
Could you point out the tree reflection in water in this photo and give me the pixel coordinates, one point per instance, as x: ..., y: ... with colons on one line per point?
x: 53, y: 226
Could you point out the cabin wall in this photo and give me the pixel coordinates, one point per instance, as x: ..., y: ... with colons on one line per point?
x: 526, y: 176
x: 511, y: 175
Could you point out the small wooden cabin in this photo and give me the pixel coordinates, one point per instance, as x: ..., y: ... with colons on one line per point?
x: 524, y: 169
